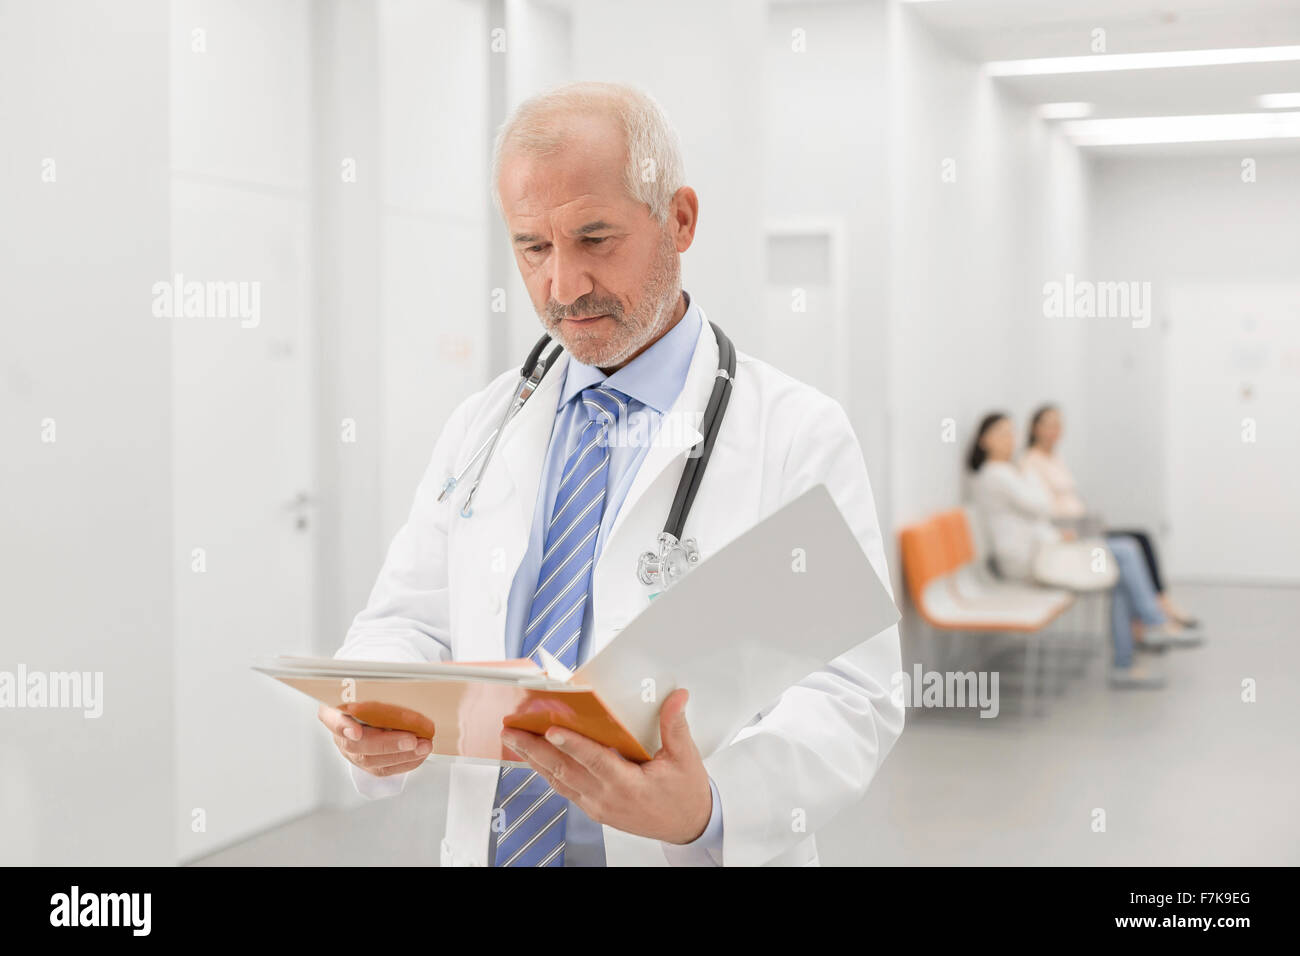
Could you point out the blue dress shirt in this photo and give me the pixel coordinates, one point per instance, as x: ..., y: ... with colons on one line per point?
x: 652, y: 381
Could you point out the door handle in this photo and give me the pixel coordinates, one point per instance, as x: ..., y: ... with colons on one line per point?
x: 300, y: 505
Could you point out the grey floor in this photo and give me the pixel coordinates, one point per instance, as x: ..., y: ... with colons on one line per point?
x: 1186, y: 775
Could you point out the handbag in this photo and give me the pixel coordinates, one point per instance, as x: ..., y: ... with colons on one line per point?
x: 1082, y: 565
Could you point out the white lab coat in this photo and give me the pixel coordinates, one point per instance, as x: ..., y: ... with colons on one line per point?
x: 445, y: 582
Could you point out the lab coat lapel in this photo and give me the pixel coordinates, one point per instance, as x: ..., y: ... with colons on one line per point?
x: 524, y: 443
x: 499, y: 531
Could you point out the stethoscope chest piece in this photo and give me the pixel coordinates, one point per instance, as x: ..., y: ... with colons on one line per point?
x: 670, y: 564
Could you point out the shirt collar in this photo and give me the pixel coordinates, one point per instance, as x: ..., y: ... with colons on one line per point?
x: 655, y: 377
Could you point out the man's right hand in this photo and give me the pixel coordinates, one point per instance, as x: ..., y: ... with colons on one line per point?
x: 375, y: 750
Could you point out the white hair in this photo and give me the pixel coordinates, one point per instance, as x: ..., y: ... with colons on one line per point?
x: 654, y: 162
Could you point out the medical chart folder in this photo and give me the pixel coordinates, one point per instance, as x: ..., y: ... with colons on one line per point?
x: 777, y: 603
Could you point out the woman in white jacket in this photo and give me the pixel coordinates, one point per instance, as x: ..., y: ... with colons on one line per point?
x: 1016, y: 509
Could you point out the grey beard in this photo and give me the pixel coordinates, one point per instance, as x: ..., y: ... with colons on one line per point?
x: 663, y: 311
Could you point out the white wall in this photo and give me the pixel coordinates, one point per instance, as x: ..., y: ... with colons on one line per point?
x: 825, y: 158
x: 1146, y: 230
x: 404, y: 295
x: 969, y: 259
x: 403, y: 290
x: 434, y: 294
x: 241, y: 402
x: 86, y: 556
x: 348, y: 261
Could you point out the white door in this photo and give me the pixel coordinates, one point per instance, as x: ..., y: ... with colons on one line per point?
x: 243, y: 517
x: 243, y: 523
x: 1233, y: 408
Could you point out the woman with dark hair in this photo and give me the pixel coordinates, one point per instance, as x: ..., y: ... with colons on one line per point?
x: 1016, y: 510
x: 1043, y: 461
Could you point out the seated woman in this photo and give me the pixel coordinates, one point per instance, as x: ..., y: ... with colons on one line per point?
x: 1042, y: 460
x: 1016, y: 511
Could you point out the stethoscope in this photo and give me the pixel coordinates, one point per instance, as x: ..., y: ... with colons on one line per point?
x: 672, y: 557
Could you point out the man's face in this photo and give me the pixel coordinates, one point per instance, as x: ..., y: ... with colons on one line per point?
x: 603, y: 275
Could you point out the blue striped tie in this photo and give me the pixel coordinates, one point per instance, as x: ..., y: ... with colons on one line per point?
x: 532, y: 822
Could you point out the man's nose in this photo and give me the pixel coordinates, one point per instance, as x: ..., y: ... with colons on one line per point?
x: 569, y: 278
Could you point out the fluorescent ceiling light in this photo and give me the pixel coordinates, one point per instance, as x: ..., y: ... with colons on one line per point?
x: 1103, y: 62
x: 1280, y: 101
x: 1064, y: 111
x: 1141, y: 130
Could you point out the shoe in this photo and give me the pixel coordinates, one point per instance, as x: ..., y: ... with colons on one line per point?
x: 1148, y: 647
x: 1135, y: 677
x: 1165, y: 636
x: 1177, y: 614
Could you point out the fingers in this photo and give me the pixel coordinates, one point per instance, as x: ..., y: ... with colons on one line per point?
x: 597, y: 759
x: 375, y: 750
x: 384, y: 761
x: 560, y: 786
x: 363, y: 739
x: 566, y: 776
x: 674, y: 732
x: 394, y: 769
x: 376, y: 740
x: 339, y: 723
x: 383, y: 765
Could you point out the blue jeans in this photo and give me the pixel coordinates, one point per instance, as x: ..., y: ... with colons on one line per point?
x: 1134, y: 596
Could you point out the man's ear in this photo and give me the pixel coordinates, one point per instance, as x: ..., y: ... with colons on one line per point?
x: 683, y: 215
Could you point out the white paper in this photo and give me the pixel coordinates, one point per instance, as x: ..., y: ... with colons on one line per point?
x: 745, y: 624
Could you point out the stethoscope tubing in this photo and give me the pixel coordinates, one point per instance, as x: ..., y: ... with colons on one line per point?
x: 714, y: 411
x: 692, y: 474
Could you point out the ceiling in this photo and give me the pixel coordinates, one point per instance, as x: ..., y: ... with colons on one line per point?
x: 991, y: 30
x: 1020, y: 29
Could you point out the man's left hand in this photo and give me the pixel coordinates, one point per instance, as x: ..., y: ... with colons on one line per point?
x: 668, y: 798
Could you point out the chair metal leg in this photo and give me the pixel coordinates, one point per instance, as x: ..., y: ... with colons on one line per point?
x: 1032, y: 653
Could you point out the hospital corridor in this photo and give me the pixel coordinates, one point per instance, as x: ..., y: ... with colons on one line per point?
x: 918, y: 388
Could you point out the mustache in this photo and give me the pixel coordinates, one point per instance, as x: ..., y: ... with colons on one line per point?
x: 583, y: 308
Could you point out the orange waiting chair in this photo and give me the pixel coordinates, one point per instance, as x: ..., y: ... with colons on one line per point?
x: 952, y: 593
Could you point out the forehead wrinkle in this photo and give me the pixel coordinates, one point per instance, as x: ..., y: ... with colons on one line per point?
x: 598, y: 217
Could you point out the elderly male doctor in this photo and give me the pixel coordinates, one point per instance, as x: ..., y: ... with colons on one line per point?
x: 598, y: 244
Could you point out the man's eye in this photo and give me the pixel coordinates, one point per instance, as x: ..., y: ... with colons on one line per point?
x: 595, y: 240
x: 537, y: 248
